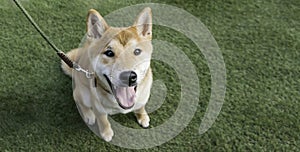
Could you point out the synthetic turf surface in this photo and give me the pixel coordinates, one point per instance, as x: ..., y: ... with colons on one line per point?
x: 259, y: 41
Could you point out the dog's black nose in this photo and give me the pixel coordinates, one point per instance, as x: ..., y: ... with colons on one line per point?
x: 129, y: 78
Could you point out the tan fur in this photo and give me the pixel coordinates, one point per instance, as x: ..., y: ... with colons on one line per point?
x: 126, y: 35
x: 95, y: 103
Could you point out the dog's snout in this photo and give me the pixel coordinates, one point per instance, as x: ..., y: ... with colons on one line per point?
x: 129, y: 78
x: 132, y: 78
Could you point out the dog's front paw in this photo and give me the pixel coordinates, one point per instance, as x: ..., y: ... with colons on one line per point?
x: 107, y: 134
x: 144, y: 120
x: 89, y: 117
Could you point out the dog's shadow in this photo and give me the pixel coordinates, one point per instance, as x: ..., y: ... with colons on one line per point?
x: 43, y: 108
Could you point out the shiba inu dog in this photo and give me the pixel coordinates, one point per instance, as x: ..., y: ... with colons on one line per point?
x: 120, y: 59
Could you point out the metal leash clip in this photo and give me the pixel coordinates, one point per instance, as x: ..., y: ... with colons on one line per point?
x: 79, y: 69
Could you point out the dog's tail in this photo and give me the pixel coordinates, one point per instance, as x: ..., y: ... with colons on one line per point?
x: 73, y: 57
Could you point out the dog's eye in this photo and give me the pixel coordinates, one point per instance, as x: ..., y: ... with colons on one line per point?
x: 109, y: 52
x: 137, y: 51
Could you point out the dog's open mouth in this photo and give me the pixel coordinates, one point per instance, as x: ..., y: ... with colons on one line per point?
x: 125, y: 96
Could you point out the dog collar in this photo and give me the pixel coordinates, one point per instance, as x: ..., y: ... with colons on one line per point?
x: 97, y: 83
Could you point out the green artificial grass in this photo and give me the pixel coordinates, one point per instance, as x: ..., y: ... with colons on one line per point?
x: 259, y: 41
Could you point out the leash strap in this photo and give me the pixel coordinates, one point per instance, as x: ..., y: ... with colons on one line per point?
x: 61, y: 54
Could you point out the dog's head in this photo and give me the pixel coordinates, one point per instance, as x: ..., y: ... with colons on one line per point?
x: 121, y: 56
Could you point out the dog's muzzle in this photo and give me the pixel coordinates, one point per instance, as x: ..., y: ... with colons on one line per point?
x: 126, y: 93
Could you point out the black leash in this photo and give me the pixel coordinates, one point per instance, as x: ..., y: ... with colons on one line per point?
x: 61, y: 54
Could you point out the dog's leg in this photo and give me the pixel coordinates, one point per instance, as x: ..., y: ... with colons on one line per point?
x: 104, y: 127
x: 142, y: 117
x: 88, y: 115
x: 87, y: 112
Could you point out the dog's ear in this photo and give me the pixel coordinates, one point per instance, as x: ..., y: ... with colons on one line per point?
x: 143, y: 23
x: 95, y: 24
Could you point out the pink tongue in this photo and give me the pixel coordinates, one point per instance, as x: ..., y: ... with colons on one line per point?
x: 125, y: 95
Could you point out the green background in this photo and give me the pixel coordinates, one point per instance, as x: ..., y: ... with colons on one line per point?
x: 259, y: 41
